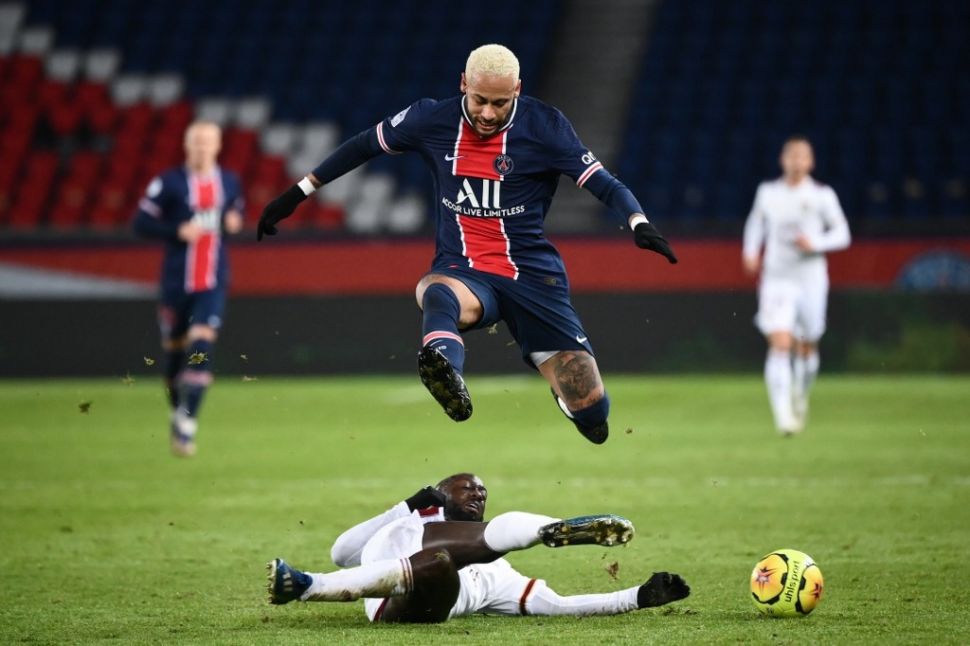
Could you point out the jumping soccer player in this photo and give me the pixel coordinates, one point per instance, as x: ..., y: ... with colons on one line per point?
x: 496, y: 158
x: 190, y: 208
x: 431, y: 557
x: 798, y: 220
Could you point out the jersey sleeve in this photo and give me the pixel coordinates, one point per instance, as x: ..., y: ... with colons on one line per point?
x: 404, y: 131
x: 569, y: 156
x: 836, y: 235
x: 346, y: 550
x: 754, y: 226
x: 152, y: 219
x: 237, y: 199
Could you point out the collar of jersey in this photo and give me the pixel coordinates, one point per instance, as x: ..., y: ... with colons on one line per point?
x: 508, y: 123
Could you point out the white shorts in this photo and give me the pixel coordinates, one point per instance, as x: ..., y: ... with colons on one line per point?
x: 491, y: 588
x: 396, y: 540
x: 797, y: 307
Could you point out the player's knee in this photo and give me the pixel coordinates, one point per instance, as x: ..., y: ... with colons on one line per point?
x: 595, y: 414
x: 200, y: 332
x: 434, y: 567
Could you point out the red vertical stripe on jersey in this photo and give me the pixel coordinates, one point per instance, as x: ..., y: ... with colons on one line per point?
x: 484, y: 241
x: 202, y: 255
x: 486, y: 246
x: 476, y: 156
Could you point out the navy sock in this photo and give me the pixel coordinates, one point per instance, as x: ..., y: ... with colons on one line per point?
x: 595, y: 415
x: 440, y: 325
x: 174, y: 362
x: 196, y: 377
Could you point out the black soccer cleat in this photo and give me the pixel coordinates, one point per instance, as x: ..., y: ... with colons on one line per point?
x: 286, y: 584
x: 595, y: 434
x: 662, y: 588
x: 444, y: 383
x: 606, y: 530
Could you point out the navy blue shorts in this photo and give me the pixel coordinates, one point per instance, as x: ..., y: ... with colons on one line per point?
x: 539, y: 315
x: 177, y: 310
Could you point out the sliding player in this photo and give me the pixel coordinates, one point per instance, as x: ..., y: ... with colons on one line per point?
x: 431, y: 557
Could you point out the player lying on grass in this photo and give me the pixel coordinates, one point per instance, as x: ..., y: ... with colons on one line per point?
x: 432, y: 557
x: 496, y: 157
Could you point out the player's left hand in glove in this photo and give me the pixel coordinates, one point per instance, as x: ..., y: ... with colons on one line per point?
x: 647, y: 237
x: 278, y: 209
x: 661, y: 589
x: 426, y: 497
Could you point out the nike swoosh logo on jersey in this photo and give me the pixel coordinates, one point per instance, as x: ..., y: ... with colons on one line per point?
x: 581, y: 339
x: 453, y: 157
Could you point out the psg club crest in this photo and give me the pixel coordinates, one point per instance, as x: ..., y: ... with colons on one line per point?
x: 503, y: 165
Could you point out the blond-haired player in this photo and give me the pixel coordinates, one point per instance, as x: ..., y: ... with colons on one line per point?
x: 797, y: 221
x: 190, y: 208
x: 496, y: 156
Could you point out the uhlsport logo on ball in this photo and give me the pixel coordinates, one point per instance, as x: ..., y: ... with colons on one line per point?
x: 786, y: 583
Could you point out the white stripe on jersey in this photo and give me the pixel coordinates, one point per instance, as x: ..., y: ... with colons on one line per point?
x: 588, y: 173
x: 454, y: 160
x: 461, y: 234
x: 383, y: 144
x: 508, y: 246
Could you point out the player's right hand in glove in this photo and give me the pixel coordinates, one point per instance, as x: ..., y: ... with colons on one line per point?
x: 647, y: 237
x: 279, y: 208
x: 426, y: 497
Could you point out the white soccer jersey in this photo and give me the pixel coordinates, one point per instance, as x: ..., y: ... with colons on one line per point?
x: 780, y: 214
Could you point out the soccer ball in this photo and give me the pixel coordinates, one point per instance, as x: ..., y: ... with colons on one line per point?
x: 786, y: 583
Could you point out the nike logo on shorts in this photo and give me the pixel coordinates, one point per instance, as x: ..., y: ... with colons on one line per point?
x: 581, y: 339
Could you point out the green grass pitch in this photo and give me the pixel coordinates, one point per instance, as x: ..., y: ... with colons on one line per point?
x: 107, y: 538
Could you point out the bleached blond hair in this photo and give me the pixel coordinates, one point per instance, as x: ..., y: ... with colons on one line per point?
x: 199, y: 124
x: 495, y: 60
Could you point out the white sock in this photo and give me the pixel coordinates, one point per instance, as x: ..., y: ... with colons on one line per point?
x: 514, y: 530
x: 388, y: 578
x: 812, y: 362
x: 804, y: 371
x: 778, y: 379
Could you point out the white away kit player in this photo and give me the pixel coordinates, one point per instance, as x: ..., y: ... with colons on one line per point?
x: 797, y: 221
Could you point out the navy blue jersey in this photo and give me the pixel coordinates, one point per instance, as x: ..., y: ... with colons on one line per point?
x: 492, y: 193
x: 175, y: 197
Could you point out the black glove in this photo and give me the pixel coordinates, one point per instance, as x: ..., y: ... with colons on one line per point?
x: 279, y: 208
x: 662, y: 588
x: 647, y: 237
x: 424, y: 498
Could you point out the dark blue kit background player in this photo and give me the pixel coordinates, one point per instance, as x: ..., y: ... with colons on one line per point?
x: 190, y: 208
x: 495, y: 158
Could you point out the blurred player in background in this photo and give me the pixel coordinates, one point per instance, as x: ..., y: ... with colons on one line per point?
x: 190, y: 208
x: 496, y: 158
x: 798, y: 221
x: 413, y: 563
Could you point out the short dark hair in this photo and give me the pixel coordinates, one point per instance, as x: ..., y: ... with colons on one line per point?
x: 447, y: 482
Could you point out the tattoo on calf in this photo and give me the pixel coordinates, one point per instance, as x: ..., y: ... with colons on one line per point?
x: 576, y: 375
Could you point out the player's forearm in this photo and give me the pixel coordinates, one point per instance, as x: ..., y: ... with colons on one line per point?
x: 835, y: 239
x: 754, y: 234
x: 351, y: 154
x: 348, y: 546
x: 149, y: 226
x: 614, y: 194
x: 544, y: 601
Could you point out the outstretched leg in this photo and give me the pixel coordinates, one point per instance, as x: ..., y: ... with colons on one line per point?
x: 579, y: 392
x: 424, y: 586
